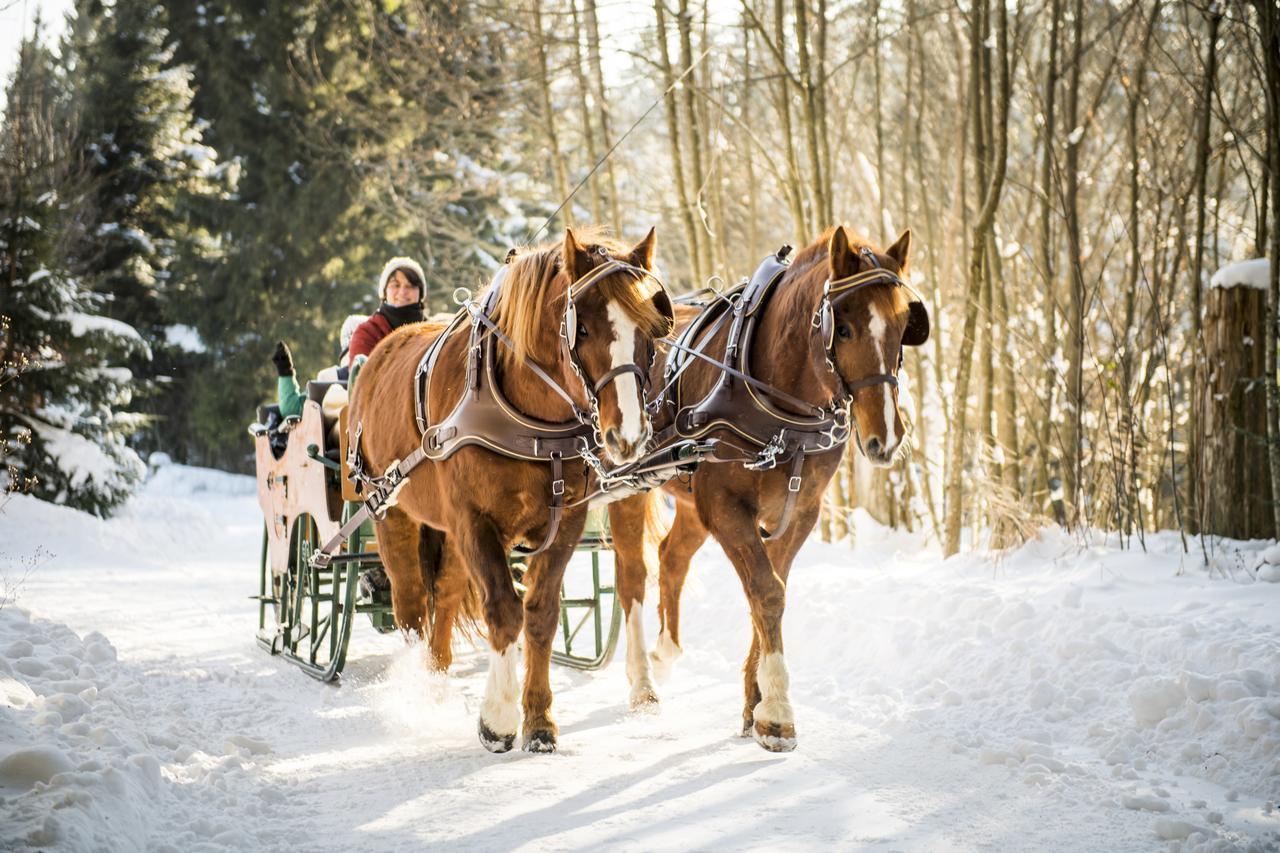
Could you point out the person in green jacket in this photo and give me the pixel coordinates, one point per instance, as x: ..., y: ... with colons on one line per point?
x: 289, y: 396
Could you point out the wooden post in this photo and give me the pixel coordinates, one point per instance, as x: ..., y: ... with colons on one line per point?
x: 1236, y: 485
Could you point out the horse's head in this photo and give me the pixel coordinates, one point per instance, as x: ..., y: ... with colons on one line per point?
x: 872, y: 316
x: 612, y: 311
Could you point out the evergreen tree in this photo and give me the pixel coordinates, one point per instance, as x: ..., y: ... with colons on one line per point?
x: 360, y: 131
x: 62, y: 391
x: 142, y: 163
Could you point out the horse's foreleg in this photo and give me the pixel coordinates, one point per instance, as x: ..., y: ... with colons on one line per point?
x: 674, y: 555
x: 626, y: 521
x: 480, y: 547
x: 765, y: 672
x: 450, y: 583
x: 541, y: 619
x: 398, y: 546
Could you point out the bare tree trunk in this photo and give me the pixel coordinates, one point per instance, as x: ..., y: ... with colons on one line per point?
x: 752, y: 224
x: 809, y: 110
x: 980, y: 236
x: 588, y: 131
x: 696, y: 142
x: 677, y: 150
x: 602, y: 106
x: 1135, y: 89
x: 1269, y: 18
x: 1194, y: 505
x: 548, y: 115
x: 1048, y: 254
x: 827, y: 216
x: 878, y: 104
x: 1075, y: 323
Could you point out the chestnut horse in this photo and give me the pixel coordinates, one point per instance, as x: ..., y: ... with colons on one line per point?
x: 734, y: 504
x: 485, y: 503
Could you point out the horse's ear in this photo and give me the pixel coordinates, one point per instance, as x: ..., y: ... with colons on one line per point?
x: 841, y: 257
x: 917, y: 331
x: 642, y: 254
x: 901, y: 249
x: 577, y: 262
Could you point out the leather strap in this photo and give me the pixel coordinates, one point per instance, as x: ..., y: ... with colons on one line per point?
x: 556, y: 509
x: 642, y: 376
x: 793, y: 489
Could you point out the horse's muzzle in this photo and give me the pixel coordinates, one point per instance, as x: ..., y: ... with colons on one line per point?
x: 623, y: 452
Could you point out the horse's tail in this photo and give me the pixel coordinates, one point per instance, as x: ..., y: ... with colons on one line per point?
x: 468, y: 622
x: 655, y: 530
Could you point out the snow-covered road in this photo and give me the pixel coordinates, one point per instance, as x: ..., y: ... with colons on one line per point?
x: 1061, y: 699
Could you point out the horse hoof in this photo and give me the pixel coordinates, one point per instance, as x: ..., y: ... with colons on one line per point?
x: 644, y: 700
x: 775, y: 737
x: 540, y: 741
x: 494, y: 742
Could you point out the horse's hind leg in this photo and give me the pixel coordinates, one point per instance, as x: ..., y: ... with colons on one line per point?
x: 674, y: 555
x: 626, y: 522
x: 449, y: 588
x: 398, y: 546
x: 480, y: 547
x: 541, y: 618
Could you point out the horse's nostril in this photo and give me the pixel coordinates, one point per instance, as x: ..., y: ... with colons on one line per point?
x: 873, y: 447
x: 613, y: 439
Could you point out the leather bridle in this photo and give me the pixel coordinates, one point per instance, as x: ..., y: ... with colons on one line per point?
x: 836, y: 290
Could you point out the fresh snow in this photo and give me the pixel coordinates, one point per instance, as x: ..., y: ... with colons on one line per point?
x: 83, y: 324
x: 185, y: 338
x: 1058, y: 697
x: 1255, y: 273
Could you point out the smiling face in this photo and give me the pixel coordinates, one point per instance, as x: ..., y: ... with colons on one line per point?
x: 401, y: 291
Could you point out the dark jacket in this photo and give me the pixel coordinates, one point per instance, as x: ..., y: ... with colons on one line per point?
x: 377, y: 327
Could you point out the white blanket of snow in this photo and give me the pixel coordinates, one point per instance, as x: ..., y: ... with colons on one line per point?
x: 1060, y: 699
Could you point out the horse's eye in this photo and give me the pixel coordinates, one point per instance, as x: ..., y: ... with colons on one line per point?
x: 844, y: 331
x: 582, y: 330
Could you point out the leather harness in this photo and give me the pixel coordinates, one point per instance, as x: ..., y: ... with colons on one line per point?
x: 484, y: 417
x: 738, y: 402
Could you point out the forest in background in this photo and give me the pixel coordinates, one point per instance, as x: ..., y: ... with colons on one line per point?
x: 184, y: 185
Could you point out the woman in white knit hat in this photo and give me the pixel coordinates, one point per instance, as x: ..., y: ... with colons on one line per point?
x: 402, y: 289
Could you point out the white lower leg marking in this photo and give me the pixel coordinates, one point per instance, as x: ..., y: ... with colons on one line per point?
x: 623, y: 351
x: 775, y: 706
x: 500, y: 711
x: 637, y: 662
x: 665, y: 654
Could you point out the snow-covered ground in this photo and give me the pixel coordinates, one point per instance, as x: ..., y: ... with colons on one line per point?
x: 1060, y: 698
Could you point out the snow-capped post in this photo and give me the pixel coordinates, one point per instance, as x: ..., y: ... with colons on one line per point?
x: 1236, y: 487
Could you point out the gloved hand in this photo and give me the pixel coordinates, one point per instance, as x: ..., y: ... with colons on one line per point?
x: 283, y: 359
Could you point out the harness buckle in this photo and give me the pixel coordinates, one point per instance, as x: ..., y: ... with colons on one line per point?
x: 793, y: 485
x: 557, y: 487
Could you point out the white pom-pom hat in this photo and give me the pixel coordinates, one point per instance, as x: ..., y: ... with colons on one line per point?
x: 401, y: 264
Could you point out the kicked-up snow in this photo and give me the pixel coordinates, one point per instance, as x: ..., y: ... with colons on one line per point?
x: 1061, y: 697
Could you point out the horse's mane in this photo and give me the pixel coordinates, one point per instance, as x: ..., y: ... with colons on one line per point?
x: 531, y: 301
x: 803, y: 285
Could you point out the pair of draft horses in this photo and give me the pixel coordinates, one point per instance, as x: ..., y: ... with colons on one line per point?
x: 571, y: 331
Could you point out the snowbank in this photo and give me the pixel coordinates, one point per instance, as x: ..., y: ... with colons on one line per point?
x: 1058, y: 697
